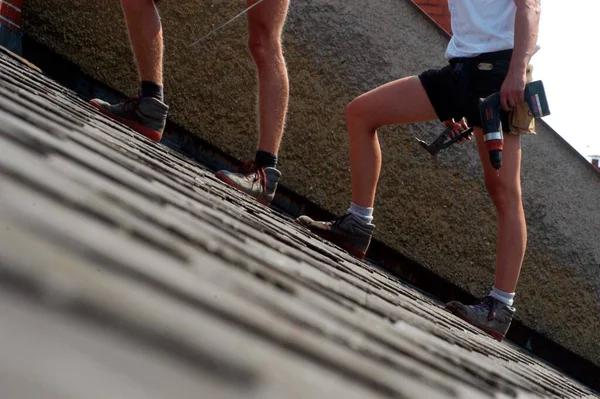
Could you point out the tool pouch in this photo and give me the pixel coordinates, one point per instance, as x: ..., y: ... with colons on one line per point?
x: 520, y: 118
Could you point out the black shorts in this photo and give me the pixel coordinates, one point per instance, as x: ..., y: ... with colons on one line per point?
x: 455, y: 90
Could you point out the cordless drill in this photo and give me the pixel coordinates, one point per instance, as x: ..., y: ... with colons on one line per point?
x: 490, y: 108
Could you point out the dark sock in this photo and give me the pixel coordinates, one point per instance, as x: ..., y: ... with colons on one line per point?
x: 151, y: 89
x: 265, y: 159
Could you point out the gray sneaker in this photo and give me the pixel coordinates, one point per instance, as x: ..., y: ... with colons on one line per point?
x: 348, y: 231
x: 257, y: 182
x: 146, y: 115
x: 491, y: 315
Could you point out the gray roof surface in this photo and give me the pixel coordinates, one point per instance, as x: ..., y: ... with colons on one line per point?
x: 127, y: 270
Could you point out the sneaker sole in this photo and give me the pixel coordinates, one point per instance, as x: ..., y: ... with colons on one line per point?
x: 138, y: 127
x: 241, y: 190
x: 495, y: 334
x: 334, y: 239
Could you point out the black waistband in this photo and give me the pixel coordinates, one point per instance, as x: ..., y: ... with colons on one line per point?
x: 493, y: 57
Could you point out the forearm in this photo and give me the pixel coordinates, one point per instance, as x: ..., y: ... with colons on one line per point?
x: 527, y: 21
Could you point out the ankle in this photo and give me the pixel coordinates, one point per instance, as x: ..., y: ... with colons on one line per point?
x: 152, y: 89
x: 365, y: 214
x: 506, y: 298
x: 265, y: 159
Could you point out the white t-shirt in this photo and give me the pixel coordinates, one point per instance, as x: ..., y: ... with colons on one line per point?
x: 481, y: 26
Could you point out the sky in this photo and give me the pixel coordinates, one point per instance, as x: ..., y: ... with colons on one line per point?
x: 566, y: 63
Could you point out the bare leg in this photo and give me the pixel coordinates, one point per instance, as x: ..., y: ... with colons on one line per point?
x: 265, y: 25
x: 505, y: 191
x: 148, y: 114
x: 398, y: 102
x: 145, y: 34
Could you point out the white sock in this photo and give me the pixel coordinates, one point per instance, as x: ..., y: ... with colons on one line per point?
x: 505, y: 297
x: 366, y: 214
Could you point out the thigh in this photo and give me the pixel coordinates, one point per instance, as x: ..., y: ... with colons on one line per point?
x: 270, y: 15
x: 398, y: 102
x: 446, y: 91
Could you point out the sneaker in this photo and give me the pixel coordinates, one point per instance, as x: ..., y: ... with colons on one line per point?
x: 349, y: 232
x: 491, y: 315
x: 257, y: 182
x: 146, y: 115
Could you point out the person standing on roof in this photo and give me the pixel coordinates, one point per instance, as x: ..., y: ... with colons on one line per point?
x: 492, y: 44
x: 147, y: 112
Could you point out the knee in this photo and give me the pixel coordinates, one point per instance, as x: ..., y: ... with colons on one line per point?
x: 357, y: 112
x: 506, y: 196
x: 264, y: 44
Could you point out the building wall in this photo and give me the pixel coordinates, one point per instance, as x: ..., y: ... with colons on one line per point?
x: 10, y: 25
x: 438, y: 11
x: 433, y: 210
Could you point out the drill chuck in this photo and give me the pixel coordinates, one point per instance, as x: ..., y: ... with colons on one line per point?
x: 494, y: 143
x: 496, y: 159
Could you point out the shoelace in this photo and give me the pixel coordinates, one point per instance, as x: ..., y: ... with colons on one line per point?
x: 249, y: 168
x: 339, y: 220
x: 131, y: 104
x: 490, y: 304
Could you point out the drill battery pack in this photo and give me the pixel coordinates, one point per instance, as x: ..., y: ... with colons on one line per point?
x: 522, y: 118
